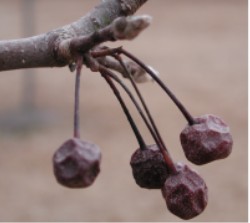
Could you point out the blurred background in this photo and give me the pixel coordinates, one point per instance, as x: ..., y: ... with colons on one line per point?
x: 200, y: 49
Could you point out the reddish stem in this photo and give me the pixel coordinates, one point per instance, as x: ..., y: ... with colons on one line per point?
x: 156, y: 135
x: 183, y: 110
x: 106, y: 73
x: 77, y: 98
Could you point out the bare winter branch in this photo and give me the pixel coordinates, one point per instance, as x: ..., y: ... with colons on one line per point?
x: 46, y: 50
x: 120, y: 29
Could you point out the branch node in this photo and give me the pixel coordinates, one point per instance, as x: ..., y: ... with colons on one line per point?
x: 64, y: 47
x: 91, y: 63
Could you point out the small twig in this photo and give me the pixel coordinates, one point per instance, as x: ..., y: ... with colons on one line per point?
x: 122, y: 28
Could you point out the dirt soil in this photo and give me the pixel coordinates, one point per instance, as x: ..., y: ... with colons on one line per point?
x: 200, y: 50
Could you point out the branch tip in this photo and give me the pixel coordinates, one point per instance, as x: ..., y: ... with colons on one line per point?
x: 130, y: 27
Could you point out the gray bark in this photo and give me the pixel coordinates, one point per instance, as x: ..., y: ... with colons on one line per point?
x: 43, y: 50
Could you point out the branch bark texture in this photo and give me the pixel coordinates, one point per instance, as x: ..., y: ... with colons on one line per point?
x: 47, y: 50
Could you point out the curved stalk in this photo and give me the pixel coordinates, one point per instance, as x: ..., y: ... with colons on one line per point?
x: 156, y: 134
x: 183, y: 110
x: 105, y: 74
x: 164, y: 152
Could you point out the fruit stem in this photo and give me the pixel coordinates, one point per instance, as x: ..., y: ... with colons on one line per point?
x: 141, y: 99
x: 106, y: 75
x: 168, y: 160
x: 156, y: 134
x: 77, y: 98
x: 114, y: 77
x: 183, y: 110
x: 164, y: 152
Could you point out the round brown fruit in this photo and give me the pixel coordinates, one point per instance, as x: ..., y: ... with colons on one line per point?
x: 77, y: 163
x: 185, y: 193
x: 149, y: 168
x: 207, y: 140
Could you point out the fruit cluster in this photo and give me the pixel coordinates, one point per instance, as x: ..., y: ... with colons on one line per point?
x: 204, y: 139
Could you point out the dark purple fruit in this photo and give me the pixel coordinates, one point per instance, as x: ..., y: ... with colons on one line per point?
x: 77, y: 163
x: 149, y: 168
x: 207, y: 140
x: 185, y: 193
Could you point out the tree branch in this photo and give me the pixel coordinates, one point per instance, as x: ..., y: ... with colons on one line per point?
x: 46, y: 50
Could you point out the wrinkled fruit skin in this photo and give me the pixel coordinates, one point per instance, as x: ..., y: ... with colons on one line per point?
x: 149, y: 168
x: 77, y: 163
x: 185, y: 193
x: 207, y: 140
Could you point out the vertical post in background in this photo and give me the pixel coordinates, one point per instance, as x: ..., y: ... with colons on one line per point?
x: 27, y: 116
x: 29, y: 77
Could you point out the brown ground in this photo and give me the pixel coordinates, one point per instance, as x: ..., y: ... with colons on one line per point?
x: 200, y: 49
